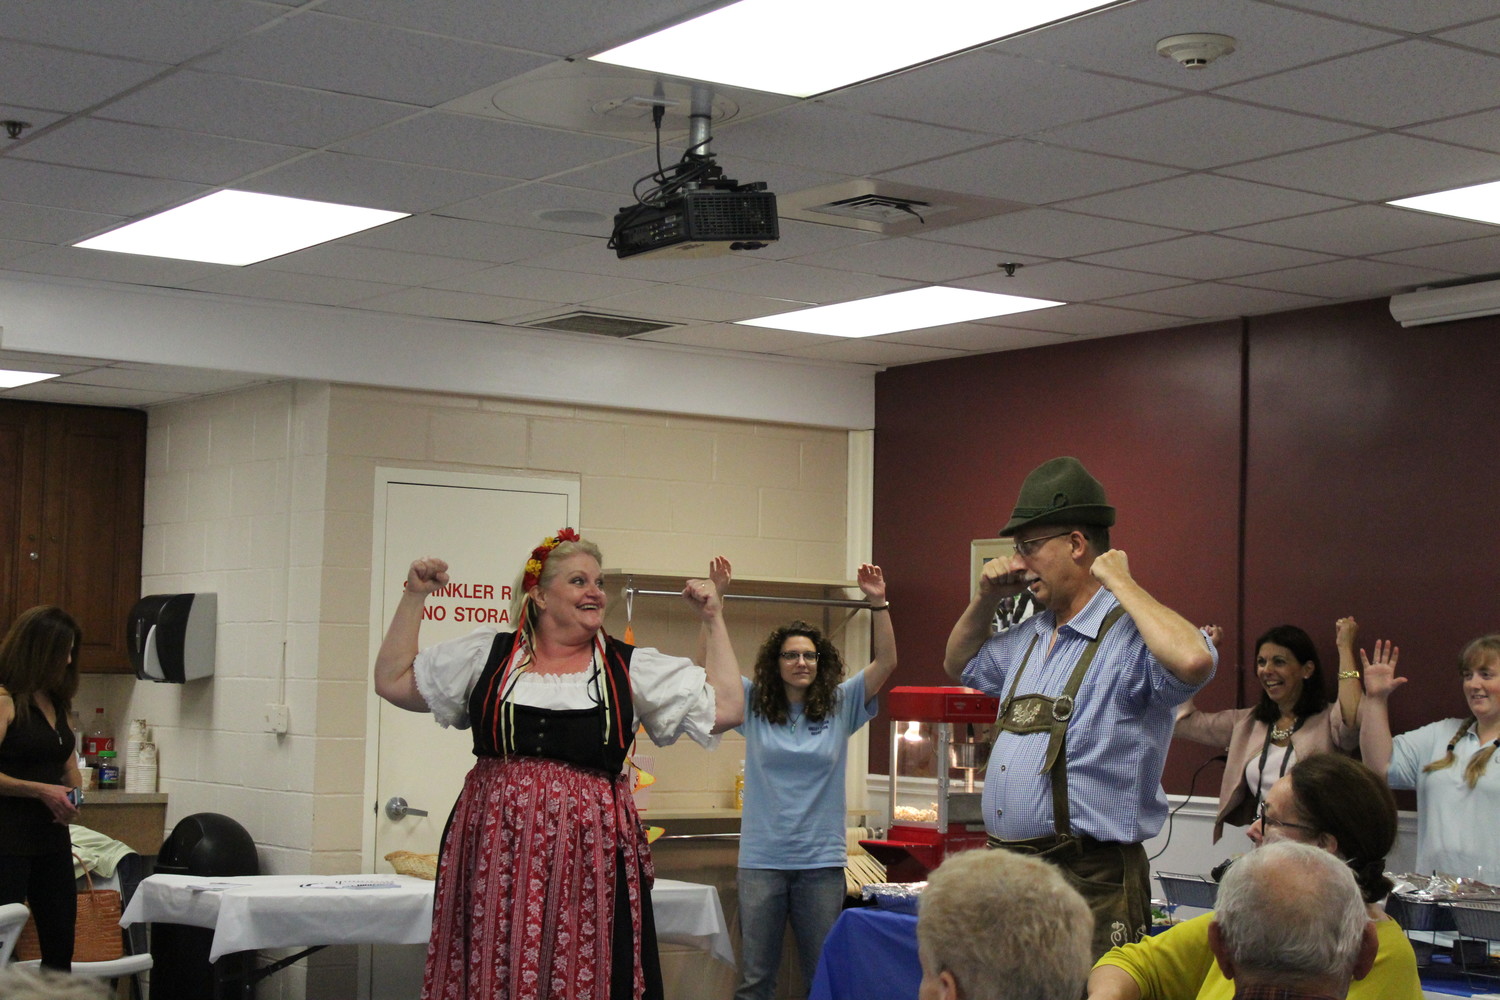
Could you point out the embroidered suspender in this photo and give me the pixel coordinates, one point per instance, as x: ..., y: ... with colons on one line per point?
x: 1037, y: 713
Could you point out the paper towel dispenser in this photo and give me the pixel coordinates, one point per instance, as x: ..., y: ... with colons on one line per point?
x: 171, y: 637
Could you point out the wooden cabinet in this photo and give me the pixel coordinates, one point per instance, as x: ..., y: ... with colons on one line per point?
x: 72, y: 484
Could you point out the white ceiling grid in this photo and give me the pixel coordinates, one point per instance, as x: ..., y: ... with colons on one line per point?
x: 1153, y: 195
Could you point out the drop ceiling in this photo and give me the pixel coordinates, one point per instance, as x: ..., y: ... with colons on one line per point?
x: 1144, y: 194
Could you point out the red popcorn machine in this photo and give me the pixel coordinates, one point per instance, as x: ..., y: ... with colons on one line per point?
x: 939, y: 746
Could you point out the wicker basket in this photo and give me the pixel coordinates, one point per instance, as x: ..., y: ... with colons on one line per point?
x: 419, y: 865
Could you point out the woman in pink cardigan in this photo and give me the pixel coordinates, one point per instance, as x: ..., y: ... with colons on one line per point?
x: 1292, y: 721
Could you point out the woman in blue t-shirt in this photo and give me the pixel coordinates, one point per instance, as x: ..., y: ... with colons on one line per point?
x: 801, y: 713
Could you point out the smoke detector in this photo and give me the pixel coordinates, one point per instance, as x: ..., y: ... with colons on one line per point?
x: 1197, y: 50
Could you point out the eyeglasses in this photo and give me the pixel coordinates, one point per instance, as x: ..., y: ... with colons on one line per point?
x: 793, y: 655
x: 1266, y: 822
x: 1028, y: 547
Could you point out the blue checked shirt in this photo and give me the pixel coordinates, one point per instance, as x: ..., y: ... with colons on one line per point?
x: 1117, y: 742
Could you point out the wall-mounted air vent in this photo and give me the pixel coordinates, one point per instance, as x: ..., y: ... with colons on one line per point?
x: 879, y: 206
x: 599, y: 324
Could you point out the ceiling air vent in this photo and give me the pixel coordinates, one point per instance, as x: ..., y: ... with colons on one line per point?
x: 888, y: 208
x: 599, y: 324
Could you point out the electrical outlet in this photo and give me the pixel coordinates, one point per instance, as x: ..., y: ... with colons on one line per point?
x: 278, y: 718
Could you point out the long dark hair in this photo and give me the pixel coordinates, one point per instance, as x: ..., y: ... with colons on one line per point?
x: 34, y: 656
x: 768, y: 700
x: 1314, y: 697
x: 1344, y: 798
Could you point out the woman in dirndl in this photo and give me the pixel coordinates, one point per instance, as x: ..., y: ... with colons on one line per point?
x: 544, y: 878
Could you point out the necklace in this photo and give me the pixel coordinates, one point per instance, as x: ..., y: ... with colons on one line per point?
x: 1279, y: 735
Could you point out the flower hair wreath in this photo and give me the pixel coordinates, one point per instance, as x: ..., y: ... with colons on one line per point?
x: 533, y: 573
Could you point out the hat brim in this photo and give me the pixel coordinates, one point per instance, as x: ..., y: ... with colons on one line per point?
x: 1099, y: 514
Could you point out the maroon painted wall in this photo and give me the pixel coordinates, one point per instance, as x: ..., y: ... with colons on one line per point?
x: 1293, y: 468
x: 1155, y: 417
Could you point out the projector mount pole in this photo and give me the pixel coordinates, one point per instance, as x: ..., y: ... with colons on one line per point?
x: 700, y: 121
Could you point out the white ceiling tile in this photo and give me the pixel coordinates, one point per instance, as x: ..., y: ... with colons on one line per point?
x: 1403, y: 84
x: 528, y: 205
x: 1377, y: 168
x: 240, y: 108
x: 55, y: 391
x: 844, y: 142
x: 799, y: 239
x: 684, y: 302
x: 1084, y: 320
x: 1199, y: 132
x: 1207, y: 257
x: 396, y: 267
x: 783, y: 280
x: 156, y: 30
x: 451, y: 305
x: 90, y: 190
x: 484, y: 146
x: 1472, y: 257
x: 166, y: 378
x: 285, y: 286
x: 1402, y: 15
x: 560, y: 27
x: 15, y: 249
x: 1122, y: 40
x: 36, y: 76
x: 978, y: 338
x: 1019, y: 96
x: 35, y: 119
x: 28, y: 361
x: 1483, y: 35
x: 1211, y: 300
x: 1029, y: 172
x: 543, y: 284
x: 1067, y: 281
x: 355, y: 180
x: 102, y: 265
x: 908, y: 259
x: 1481, y: 130
x: 1362, y: 230
x: 1203, y: 202
x: 1346, y: 279
x: 1050, y: 233
x: 617, y: 177
x: 153, y: 152
x: 732, y: 337
x: 593, y: 257
x: 51, y: 225
x: 371, y: 60
x: 872, y: 351
x: 446, y: 237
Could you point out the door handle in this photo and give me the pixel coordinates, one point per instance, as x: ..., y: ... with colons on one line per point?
x: 397, y: 809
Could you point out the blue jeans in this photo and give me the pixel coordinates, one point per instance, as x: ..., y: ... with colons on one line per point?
x: 811, y: 897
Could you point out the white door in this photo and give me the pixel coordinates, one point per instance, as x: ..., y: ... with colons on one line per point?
x: 485, y: 527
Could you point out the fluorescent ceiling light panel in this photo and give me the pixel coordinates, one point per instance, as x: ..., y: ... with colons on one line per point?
x: 916, y: 309
x: 11, y: 379
x: 806, y: 47
x: 1480, y: 202
x: 239, y: 227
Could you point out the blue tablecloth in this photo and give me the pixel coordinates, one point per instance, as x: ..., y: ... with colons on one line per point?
x: 871, y: 954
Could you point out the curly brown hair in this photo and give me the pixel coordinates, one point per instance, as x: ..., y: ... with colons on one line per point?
x: 768, y: 699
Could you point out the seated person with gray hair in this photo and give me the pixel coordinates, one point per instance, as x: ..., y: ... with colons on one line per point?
x: 993, y: 925
x: 1290, y: 924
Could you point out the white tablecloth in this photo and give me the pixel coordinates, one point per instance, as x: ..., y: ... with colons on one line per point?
x: 252, y: 912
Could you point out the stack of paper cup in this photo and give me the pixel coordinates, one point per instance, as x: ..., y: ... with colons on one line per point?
x: 142, y: 774
x: 134, y: 739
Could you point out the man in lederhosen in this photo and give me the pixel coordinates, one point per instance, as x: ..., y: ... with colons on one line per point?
x: 1089, y: 689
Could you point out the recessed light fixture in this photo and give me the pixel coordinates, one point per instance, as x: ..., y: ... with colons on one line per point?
x: 239, y: 227
x: 1479, y: 202
x: 10, y: 379
x: 916, y: 309
x: 800, y: 49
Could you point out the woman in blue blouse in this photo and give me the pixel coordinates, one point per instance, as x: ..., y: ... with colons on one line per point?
x: 801, y: 713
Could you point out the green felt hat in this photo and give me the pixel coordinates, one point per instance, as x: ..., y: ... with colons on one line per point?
x: 1060, y: 491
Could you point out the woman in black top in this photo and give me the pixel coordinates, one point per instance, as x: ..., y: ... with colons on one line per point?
x: 38, y: 770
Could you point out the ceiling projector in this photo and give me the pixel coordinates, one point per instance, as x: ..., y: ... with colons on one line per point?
x: 706, y: 217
